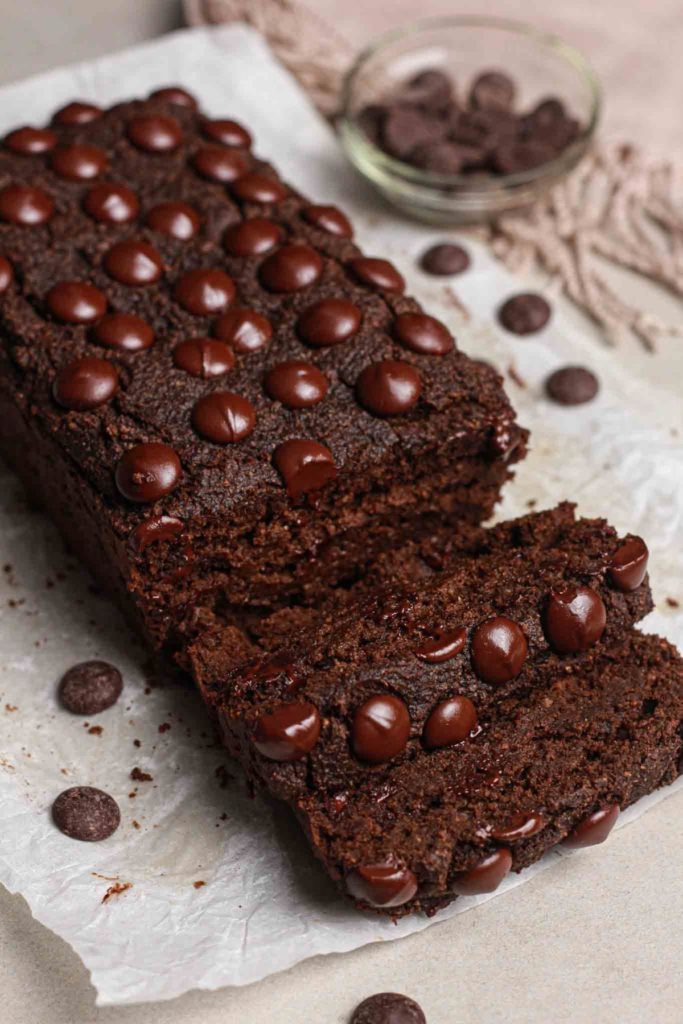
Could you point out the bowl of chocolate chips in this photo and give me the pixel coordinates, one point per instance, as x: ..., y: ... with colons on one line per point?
x: 461, y: 119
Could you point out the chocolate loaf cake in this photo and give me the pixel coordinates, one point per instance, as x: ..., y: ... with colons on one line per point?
x: 221, y: 402
x: 427, y: 681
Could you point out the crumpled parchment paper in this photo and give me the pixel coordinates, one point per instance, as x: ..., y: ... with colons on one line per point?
x: 202, y: 886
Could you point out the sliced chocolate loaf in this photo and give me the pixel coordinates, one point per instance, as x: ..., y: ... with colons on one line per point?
x: 218, y: 398
x: 416, y: 668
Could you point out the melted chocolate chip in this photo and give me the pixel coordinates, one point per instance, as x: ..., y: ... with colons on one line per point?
x: 288, y: 733
x: 304, y: 466
x: 298, y: 385
x: 90, y: 687
x: 329, y: 322
x: 594, y: 829
x: 77, y: 113
x: 258, y: 188
x: 524, y: 314
x: 388, y: 1008
x: 329, y: 219
x: 25, y: 205
x: 572, y: 385
x: 218, y: 163
x: 574, y: 619
x: 76, y: 302
x: 485, y: 876
x: 382, y: 885
x: 380, y: 728
x: 253, y: 237
x: 443, y: 647
x: 111, y: 204
x: 450, y: 722
x: 226, y: 132
x: 499, y: 650
x: 445, y: 259
x: 223, y: 417
x: 291, y: 268
x: 124, y: 331
x: 423, y: 334
x: 147, y: 472
x: 627, y: 568
x: 377, y: 273
x: 85, y: 383
x: 29, y: 141
x: 203, y: 357
x: 179, y: 220
x: 85, y: 813
x: 204, y: 292
x: 156, y: 529
x: 133, y: 263
x: 244, y: 329
x: 519, y: 826
x: 79, y: 162
x: 154, y: 133
x: 388, y: 388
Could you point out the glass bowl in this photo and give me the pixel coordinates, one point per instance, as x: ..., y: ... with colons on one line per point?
x: 542, y: 65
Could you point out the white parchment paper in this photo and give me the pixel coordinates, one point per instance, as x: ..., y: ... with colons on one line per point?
x: 202, y: 886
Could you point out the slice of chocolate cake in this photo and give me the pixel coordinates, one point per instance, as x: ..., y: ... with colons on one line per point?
x: 414, y: 679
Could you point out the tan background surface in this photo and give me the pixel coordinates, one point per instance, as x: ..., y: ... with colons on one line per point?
x: 595, y: 939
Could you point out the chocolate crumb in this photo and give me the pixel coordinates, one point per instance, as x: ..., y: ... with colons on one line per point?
x: 164, y: 727
x: 515, y: 377
x: 137, y: 775
x: 673, y: 603
x: 137, y: 743
x: 198, y: 884
x: 115, y: 890
x: 135, y: 824
x: 95, y: 730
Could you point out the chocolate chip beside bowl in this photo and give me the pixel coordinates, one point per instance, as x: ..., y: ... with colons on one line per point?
x: 85, y: 813
x: 572, y: 385
x: 90, y: 687
x: 525, y: 313
x: 444, y: 259
x: 388, y: 1008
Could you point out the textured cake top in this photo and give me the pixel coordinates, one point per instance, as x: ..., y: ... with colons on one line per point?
x: 160, y: 286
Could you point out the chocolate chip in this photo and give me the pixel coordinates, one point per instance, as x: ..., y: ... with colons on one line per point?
x: 178, y: 220
x: 329, y: 322
x: 228, y: 133
x: 244, y: 329
x: 499, y: 650
x: 146, y: 472
x: 519, y: 826
x: 304, y: 466
x: 441, y: 157
x: 155, y: 133
x: 204, y: 292
x: 572, y: 385
x: 328, y: 219
x: 574, y: 619
x: 175, y: 94
x: 389, y: 387
x: 258, y: 188
x: 485, y: 876
x: 85, y: 813
x: 203, y: 357
x: 443, y: 647
x: 525, y: 313
x: 31, y: 141
x: 430, y: 89
x: 25, y: 205
x: 382, y: 885
x: 594, y: 829
x: 253, y: 237
x: 445, y: 259
x: 85, y: 383
x: 388, y: 1008
x: 79, y: 162
x: 124, y: 331
x: 133, y: 262
x: 450, y: 722
x: 76, y: 302
x: 296, y: 384
x: 90, y: 687
x: 6, y: 274
x: 77, y: 113
x: 156, y: 529
x: 406, y: 128
x: 627, y: 568
x: 423, y: 334
x: 111, y: 204
x: 287, y: 733
x: 380, y: 728
x: 377, y: 273
x: 492, y: 90
x: 218, y: 163
x: 291, y: 268
x: 515, y: 156
x: 223, y: 417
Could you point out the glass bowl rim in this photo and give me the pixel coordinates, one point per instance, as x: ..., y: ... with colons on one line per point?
x: 400, y: 169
